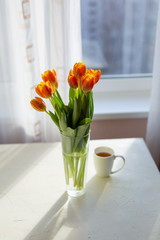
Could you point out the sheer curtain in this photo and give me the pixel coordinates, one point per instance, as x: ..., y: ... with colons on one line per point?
x: 34, y: 36
x: 153, y: 128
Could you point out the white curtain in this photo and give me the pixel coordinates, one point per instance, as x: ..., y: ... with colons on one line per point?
x: 153, y: 128
x: 35, y: 35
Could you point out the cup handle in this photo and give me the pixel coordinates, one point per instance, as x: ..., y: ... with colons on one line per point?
x: 122, y: 165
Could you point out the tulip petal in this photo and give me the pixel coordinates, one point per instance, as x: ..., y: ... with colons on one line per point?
x: 87, y: 82
x: 72, y: 80
x: 38, y: 104
x: 44, y: 89
x: 50, y: 76
x: 79, y: 70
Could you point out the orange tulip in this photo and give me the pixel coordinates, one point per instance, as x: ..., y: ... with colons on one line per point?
x: 87, y: 82
x: 38, y: 104
x: 79, y: 70
x: 50, y: 76
x: 96, y: 73
x: 72, y: 80
x: 44, y: 90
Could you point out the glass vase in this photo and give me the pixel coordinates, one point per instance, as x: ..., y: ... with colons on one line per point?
x: 75, y: 155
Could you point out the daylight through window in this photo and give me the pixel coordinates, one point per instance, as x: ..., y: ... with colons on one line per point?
x: 118, y: 37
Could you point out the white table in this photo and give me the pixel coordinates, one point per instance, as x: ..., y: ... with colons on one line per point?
x: 35, y: 206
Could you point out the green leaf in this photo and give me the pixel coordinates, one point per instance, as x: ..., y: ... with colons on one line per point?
x: 86, y: 105
x: 91, y: 104
x: 57, y: 101
x: 80, y: 141
x: 63, y: 121
x: 68, y: 139
x: 82, y: 129
x: 72, y: 96
x: 59, y: 97
x: 68, y: 110
x: 85, y: 121
x: 76, y: 112
x: 54, y: 118
x: 58, y: 110
x: 70, y: 132
x: 52, y: 101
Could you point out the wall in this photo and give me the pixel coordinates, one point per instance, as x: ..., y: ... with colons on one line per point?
x: 118, y: 128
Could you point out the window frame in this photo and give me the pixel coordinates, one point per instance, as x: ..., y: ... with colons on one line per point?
x: 122, y: 96
x: 123, y: 83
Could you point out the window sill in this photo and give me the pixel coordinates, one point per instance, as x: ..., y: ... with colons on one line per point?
x: 124, y: 105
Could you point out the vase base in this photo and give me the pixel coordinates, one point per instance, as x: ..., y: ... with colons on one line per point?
x: 75, y: 193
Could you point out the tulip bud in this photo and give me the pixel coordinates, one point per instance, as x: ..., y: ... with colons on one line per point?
x: 79, y: 70
x: 72, y: 80
x: 38, y: 104
x: 87, y: 82
x: 96, y: 73
x: 44, y: 90
x: 50, y: 76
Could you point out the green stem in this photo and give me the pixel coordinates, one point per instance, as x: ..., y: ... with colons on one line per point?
x: 66, y: 170
x: 47, y: 112
x: 58, y: 95
x: 70, y: 165
x: 76, y: 170
x: 53, y: 107
x: 81, y: 172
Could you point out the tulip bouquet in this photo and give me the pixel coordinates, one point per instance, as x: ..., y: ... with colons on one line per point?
x: 73, y: 120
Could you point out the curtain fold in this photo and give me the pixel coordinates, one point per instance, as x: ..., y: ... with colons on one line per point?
x: 65, y: 49
x: 34, y: 37
x: 153, y: 126
x: 18, y: 71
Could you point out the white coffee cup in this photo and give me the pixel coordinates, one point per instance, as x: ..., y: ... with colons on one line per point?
x: 103, y: 163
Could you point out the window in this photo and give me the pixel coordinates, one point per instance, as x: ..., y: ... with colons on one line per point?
x: 118, y: 37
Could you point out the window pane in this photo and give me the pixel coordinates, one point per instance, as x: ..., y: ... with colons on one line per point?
x: 118, y: 37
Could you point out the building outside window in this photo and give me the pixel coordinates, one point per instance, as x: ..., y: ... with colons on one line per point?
x: 119, y: 36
